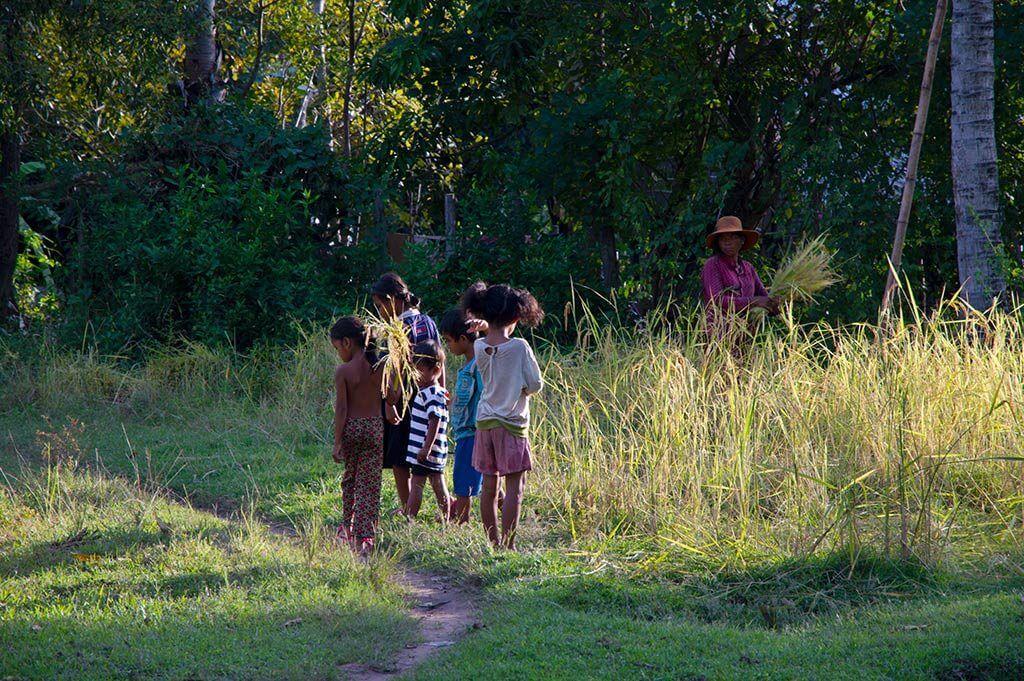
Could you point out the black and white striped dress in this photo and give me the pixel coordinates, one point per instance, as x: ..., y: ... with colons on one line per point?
x: 430, y: 401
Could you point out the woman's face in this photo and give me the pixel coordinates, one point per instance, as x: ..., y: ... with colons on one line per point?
x: 731, y: 244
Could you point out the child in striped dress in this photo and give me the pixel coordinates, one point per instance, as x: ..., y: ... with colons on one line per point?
x: 428, y: 431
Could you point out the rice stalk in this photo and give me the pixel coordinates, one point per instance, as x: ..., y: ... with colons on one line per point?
x: 805, y: 273
x: 396, y: 354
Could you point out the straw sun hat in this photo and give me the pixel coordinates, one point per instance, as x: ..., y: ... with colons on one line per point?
x: 730, y: 224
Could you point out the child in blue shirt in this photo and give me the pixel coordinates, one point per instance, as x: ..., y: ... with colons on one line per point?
x: 468, y: 388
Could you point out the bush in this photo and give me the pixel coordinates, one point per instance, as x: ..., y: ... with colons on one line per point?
x: 221, y: 229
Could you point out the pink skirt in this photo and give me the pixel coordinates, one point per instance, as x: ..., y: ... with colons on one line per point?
x: 499, y: 452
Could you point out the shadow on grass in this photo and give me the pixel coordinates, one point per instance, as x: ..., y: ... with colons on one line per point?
x: 84, y: 546
x: 305, y: 640
x: 774, y: 596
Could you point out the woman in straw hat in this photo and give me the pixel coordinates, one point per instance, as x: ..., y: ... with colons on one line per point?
x: 729, y: 285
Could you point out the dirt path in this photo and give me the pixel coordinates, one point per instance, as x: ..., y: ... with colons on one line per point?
x: 445, y: 613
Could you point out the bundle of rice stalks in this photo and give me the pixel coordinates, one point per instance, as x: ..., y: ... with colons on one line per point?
x: 807, y: 272
x: 395, y: 350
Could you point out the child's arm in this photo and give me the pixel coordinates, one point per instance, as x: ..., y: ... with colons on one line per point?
x: 533, y: 381
x: 340, y: 413
x: 391, y: 398
x: 433, y: 424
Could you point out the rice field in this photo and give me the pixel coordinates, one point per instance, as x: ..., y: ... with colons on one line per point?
x: 904, y: 440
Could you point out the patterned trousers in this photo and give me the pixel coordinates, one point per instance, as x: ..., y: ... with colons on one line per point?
x: 360, y: 486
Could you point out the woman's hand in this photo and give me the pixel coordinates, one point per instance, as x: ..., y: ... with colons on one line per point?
x: 338, y: 454
x: 770, y: 303
x: 391, y: 412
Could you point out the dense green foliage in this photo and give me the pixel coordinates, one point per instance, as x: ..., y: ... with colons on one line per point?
x: 586, y: 145
x: 227, y: 229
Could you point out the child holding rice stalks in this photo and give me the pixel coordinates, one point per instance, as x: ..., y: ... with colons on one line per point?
x: 395, y: 302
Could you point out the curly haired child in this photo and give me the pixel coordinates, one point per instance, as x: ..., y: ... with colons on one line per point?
x: 510, y: 376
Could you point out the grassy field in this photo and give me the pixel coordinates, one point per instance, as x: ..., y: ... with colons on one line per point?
x: 100, y: 579
x: 835, y: 507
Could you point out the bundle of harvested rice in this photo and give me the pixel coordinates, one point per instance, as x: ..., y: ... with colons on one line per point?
x: 392, y: 340
x: 806, y: 273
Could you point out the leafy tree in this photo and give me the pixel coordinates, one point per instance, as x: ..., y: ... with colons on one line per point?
x: 73, y: 75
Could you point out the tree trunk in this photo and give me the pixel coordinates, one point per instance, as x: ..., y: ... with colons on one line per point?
x: 202, y: 58
x: 450, y: 210
x: 318, y: 78
x: 10, y: 161
x: 349, y: 77
x: 605, y: 236
x: 11, y: 67
x: 975, y: 173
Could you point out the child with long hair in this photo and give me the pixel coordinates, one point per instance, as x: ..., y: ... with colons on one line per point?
x: 358, y: 431
x: 510, y: 376
x: 393, y: 299
x: 428, y: 434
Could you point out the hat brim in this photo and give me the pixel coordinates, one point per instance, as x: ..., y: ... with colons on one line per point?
x: 750, y: 238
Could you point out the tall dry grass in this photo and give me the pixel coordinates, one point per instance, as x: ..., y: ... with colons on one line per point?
x: 907, y: 442
x: 817, y: 438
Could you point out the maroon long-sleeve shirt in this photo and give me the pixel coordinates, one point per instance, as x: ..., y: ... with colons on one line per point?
x: 728, y: 286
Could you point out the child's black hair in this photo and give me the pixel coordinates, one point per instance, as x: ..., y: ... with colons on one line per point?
x: 354, y: 329
x: 391, y: 285
x: 427, y: 353
x: 453, y: 324
x: 500, y: 305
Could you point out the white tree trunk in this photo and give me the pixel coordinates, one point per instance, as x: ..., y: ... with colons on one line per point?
x: 202, y: 57
x: 975, y: 173
x: 318, y: 78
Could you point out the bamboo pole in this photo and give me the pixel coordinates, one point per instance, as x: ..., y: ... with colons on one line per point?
x: 915, y: 154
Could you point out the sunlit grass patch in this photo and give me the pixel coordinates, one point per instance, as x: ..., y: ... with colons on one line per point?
x: 101, y: 579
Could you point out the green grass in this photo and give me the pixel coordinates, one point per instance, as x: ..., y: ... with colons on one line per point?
x: 564, y: 613
x: 834, y: 507
x: 100, y: 579
x: 529, y: 636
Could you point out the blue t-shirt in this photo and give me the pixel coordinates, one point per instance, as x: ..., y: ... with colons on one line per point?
x: 468, y: 388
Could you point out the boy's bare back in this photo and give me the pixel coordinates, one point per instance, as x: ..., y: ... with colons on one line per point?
x: 362, y: 388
